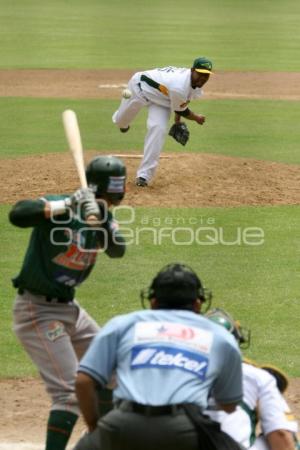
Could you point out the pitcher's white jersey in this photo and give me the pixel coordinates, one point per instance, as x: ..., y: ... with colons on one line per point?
x: 178, y: 92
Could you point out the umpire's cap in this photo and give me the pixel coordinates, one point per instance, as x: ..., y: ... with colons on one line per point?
x: 176, y: 285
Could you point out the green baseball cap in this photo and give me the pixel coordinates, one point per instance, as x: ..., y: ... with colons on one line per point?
x: 202, y: 65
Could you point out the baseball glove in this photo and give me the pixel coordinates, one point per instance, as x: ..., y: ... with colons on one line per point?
x: 180, y: 132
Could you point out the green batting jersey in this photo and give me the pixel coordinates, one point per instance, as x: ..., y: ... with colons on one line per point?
x: 62, y: 250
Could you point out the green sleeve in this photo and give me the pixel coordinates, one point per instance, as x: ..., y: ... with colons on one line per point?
x: 31, y: 213
x: 28, y: 213
x: 116, y: 244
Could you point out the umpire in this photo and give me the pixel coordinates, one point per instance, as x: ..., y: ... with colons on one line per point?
x: 167, y: 360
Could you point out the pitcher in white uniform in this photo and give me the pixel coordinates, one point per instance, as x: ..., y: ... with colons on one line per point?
x: 162, y: 91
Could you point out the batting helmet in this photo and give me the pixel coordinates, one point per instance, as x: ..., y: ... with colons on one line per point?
x: 176, y: 286
x: 106, y: 175
x: 221, y: 317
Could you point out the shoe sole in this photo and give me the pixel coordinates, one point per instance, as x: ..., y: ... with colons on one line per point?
x: 124, y: 130
x: 141, y: 183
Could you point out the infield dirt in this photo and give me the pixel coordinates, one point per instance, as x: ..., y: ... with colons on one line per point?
x: 25, y: 408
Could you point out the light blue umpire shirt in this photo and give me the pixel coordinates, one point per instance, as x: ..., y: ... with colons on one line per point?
x: 164, y: 357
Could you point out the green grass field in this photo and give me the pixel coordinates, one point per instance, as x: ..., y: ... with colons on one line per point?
x: 238, y: 35
x: 259, y: 284
x: 255, y: 129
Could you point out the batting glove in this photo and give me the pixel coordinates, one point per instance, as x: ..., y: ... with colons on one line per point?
x: 84, y: 200
x: 79, y: 197
x: 91, y: 208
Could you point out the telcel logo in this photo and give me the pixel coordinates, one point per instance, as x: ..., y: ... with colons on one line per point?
x: 169, y: 358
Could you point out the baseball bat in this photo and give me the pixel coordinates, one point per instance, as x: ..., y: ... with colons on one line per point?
x: 72, y: 133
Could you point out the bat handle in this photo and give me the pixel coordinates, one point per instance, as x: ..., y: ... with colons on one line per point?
x: 92, y: 221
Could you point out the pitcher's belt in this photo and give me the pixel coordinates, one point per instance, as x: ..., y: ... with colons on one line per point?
x: 163, y: 89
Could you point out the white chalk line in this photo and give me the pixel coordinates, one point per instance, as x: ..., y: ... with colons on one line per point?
x: 133, y: 156
x: 251, y: 96
x: 20, y: 446
x: 111, y: 86
x: 24, y: 446
x: 219, y: 94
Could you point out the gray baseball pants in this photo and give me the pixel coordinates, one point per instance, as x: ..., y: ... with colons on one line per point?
x: 55, y: 336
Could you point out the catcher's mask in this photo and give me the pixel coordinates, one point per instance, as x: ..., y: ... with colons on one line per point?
x: 176, y: 286
x: 221, y: 317
x: 106, y: 176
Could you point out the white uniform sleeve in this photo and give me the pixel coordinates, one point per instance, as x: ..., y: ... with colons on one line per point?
x: 178, y: 100
x: 272, y: 407
x: 290, y: 418
x: 196, y: 93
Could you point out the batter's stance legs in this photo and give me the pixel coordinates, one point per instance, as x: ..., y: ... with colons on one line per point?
x: 59, y: 429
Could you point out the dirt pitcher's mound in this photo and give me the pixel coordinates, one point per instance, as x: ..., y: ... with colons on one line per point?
x: 183, y: 179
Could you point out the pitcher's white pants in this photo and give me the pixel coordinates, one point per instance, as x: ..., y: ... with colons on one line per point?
x: 157, y: 126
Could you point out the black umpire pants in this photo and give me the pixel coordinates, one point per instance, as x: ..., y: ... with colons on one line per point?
x: 138, y: 427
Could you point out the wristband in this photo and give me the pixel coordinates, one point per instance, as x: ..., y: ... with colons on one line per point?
x: 57, y: 207
x: 184, y: 113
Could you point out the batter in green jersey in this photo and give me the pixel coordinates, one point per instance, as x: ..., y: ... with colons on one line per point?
x: 53, y: 328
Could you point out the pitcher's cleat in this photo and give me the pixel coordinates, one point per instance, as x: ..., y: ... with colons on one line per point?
x: 140, y: 181
x: 124, y: 130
